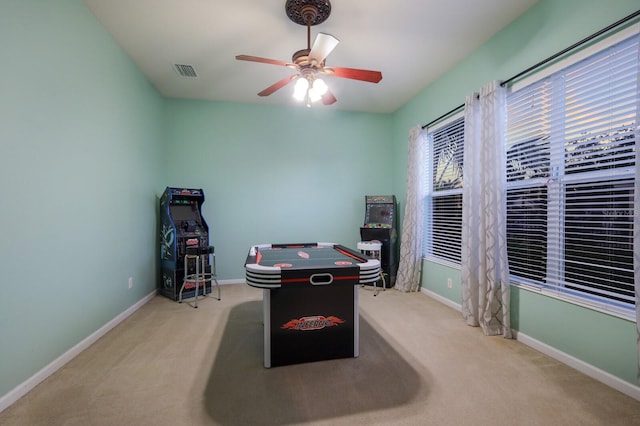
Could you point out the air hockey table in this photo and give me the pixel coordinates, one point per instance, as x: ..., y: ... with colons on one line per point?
x: 310, y: 299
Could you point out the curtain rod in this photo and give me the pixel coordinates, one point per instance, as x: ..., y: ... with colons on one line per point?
x: 547, y: 60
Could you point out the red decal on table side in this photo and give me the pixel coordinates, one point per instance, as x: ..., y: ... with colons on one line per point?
x: 316, y: 322
x: 343, y: 263
x: 283, y: 265
x: 258, y: 257
x: 290, y: 324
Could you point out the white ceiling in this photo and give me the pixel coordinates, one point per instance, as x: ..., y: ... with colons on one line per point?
x: 412, y: 42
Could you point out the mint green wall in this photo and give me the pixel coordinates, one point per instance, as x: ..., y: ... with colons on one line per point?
x: 601, y: 340
x: 606, y: 342
x: 436, y: 279
x: 277, y: 174
x: 87, y: 146
x: 79, y: 165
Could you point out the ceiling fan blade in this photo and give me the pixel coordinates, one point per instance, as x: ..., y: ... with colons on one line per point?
x: 279, y: 85
x: 354, y: 74
x: 328, y: 98
x: 263, y: 60
x: 322, y: 46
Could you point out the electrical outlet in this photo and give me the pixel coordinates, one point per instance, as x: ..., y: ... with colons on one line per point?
x: 130, y: 282
x: 449, y: 283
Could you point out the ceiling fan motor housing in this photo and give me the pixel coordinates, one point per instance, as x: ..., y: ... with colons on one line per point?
x: 302, y: 60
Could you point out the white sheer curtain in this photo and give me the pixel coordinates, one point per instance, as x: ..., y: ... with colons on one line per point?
x: 485, y: 269
x: 408, y: 278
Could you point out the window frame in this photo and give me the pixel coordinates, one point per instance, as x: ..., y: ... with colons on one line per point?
x: 608, y: 307
x: 559, y: 181
x: 429, y: 252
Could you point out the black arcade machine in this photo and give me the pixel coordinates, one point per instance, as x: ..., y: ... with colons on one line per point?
x: 380, y: 225
x: 181, y: 226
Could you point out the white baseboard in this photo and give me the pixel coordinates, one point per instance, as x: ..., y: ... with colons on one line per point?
x: 588, y: 369
x: 441, y: 299
x: 23, y: 388
x: 600, y: 375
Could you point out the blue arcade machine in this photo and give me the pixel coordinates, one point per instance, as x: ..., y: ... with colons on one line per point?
x: 181, y: 227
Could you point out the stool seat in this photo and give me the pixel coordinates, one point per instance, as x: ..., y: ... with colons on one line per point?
x: 203, y: 273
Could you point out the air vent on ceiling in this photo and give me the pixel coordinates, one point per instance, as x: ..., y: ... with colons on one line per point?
x: 185, y: 70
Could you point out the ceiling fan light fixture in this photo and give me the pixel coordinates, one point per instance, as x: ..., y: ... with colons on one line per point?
x: 314, y: 96
x: 319, y: 86
x: 310, y: 89
x: 300, y: 89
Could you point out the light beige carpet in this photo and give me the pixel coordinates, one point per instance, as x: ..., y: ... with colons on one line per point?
x: 419, y: 364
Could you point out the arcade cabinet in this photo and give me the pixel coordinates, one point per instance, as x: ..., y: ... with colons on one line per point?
x: 380, y: 225
x: 182, y: 230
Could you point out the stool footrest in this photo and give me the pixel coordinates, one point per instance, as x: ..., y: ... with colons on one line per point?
x: 203, y: 273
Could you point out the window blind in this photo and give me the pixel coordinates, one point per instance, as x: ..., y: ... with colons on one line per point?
x: 447, y: 148
x: 570, y: 172
x: 443, y: 203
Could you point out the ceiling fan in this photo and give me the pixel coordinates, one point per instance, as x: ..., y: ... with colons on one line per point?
x: 309, y: 63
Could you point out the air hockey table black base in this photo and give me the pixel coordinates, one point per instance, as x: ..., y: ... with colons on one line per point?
x: 310, y: 300
x: 310, y: 324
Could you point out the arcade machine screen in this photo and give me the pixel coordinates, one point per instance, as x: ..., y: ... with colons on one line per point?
x: 182, y: 212
x: 379, y: 216
x: 186, y: 216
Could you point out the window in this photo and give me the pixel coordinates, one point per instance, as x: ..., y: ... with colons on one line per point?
x: 570, y: 152
x: 443, y: 203
x: 570, y: 178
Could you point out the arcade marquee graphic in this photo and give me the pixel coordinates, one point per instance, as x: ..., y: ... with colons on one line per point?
x: 315, y: 322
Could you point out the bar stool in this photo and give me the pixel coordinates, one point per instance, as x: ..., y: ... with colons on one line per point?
x: 373, y: 250
x: 200, y: 276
